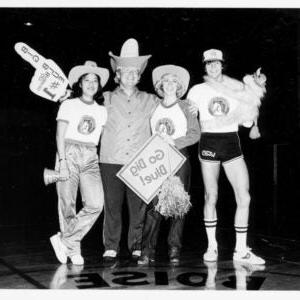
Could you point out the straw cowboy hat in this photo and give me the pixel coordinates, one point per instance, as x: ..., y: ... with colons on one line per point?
x: 181, y: 73
x: 88, y: 67
x: 129, y: 57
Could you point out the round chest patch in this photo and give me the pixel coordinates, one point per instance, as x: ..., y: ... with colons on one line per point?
x: 218, y: 106
x: 165, y: 126
x: 86, y: 125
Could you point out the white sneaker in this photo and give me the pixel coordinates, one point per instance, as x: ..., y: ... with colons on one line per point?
x: 211, y: 255
x: 248, y: 257
x: 137, y: 253
x: 110, y: 253
x: 59, y: 248
x: 77, y: 259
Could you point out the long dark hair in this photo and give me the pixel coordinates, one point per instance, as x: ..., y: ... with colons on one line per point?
x: 77, y: 90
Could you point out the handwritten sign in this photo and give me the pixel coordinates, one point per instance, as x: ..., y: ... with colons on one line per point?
x: 150, y: 167
x: 49, y: 80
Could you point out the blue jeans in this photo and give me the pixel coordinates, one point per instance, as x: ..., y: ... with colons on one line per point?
x: 84, y: 169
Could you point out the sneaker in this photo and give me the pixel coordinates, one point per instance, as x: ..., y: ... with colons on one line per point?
x: 77, y: 259
x: 59, y: 248
x: 248, y: 257
x: 211, y: 255
x: 110, y: 253
x: 174, y: 255
x: 145, y: 260
x: 136, y: 253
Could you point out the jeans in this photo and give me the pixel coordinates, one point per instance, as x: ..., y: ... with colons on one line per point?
x: 115, y: 192
x: 84, y: 173
x: 154, y: 218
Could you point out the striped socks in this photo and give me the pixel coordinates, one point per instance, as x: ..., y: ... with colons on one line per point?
x: 210, y: 227
x: 241, y: 238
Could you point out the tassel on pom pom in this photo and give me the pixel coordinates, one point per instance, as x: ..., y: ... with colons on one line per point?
x: 173, y: 200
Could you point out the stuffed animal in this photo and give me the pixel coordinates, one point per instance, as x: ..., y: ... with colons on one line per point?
x: 249, y: 94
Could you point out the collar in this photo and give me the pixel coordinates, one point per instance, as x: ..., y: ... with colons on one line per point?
x: 86, y: 102
x: 168, y: 106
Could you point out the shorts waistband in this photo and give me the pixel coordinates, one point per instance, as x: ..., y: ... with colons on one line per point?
x: 231, y: 133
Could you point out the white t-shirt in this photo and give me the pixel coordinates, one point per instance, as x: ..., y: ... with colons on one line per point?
x: 170, y: 120
x: 212, y: 104
x: 85, y: 120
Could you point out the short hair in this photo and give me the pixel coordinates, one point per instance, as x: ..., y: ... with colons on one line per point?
x: 224, y: 65
x: 77, y: 90
x: 158, y: 86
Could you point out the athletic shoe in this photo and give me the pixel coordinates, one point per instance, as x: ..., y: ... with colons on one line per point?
x: 136, y: 253
x: 59, y: 248
x: 77, y: 259
x: 145, y: 260
x: 211, y: 255
x: 110, y: 253
x: 248, y: 257
x: 174, y: 254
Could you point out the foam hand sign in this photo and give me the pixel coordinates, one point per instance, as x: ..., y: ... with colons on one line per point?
x: 48, y: 81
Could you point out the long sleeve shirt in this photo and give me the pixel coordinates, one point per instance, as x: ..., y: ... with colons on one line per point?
x: 128, y: 124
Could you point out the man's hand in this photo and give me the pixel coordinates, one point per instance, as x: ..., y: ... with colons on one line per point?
x: 193, y: 108
x: 254, y: 133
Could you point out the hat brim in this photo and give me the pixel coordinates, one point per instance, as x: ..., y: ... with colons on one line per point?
x: 78, y: 71
x: 139, y: 62
x: 181, y: 73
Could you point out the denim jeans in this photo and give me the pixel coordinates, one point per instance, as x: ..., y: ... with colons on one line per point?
x: 154, y: 218
x: 116, y: 192
x: 84, y: 169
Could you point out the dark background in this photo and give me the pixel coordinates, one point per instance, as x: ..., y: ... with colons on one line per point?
x: 249, y: 38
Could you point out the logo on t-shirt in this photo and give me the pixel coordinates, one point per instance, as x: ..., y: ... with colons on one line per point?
x: 86, y: 125
x: 218, y: 106
x: 165, y: 126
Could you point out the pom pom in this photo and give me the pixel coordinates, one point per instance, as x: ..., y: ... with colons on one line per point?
x: 173, y: 200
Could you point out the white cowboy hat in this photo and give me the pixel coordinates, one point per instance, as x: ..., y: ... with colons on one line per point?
x: 129, y: 57
x: 181, y: 73
x: 88, y: 67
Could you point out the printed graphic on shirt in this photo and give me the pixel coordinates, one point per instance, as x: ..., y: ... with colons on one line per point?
x: 86, y: 125
x: 218, y: 106
x: 165, y: 126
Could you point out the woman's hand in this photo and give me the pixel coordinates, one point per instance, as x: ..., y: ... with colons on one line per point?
x: 64, y: 173
x: 65, y: 96
x: 168, y: 139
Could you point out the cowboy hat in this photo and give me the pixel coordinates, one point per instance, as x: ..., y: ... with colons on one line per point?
x: 88, y: 67
x: 181, y: 73
x: 129, y: 57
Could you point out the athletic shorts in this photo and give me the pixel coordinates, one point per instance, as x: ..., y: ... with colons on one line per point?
x: 219, y: 147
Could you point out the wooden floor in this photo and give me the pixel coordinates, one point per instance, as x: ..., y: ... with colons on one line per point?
x: 31, y: 264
